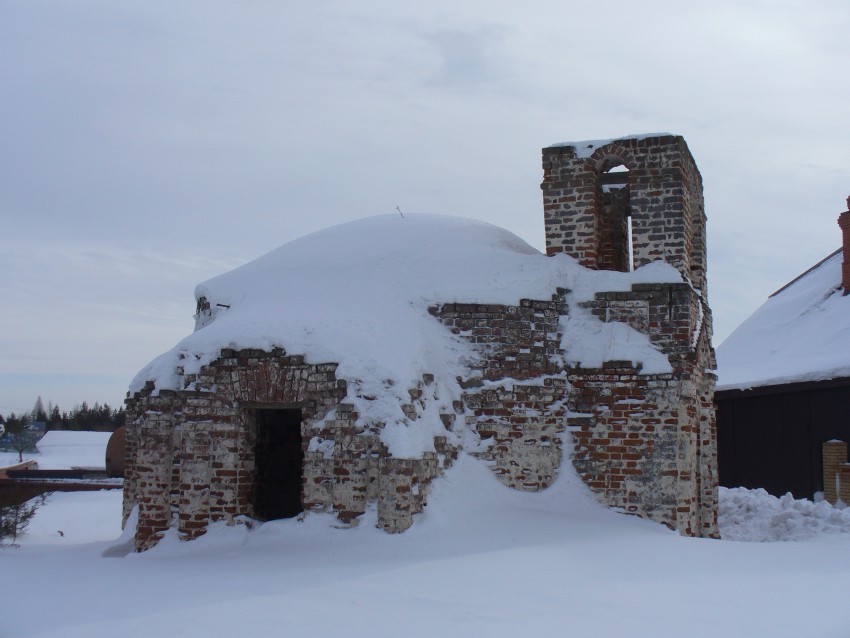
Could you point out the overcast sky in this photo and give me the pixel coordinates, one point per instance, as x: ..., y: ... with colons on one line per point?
x: 147, y: 146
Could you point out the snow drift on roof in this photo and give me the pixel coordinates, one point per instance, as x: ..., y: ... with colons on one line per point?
x: 802, y: 333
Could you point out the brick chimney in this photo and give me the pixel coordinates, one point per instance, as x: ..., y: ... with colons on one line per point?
x: 844, y: 222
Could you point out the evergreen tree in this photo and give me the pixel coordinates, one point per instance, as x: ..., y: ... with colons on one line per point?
x: 54, y: 421
x: 14, y: 519
x: 98, y: 417
x: 38, y: 413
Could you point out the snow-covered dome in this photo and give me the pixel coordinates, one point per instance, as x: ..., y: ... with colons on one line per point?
x: 358, y: 294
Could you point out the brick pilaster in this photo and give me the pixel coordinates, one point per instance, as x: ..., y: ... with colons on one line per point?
x: 834, y: 456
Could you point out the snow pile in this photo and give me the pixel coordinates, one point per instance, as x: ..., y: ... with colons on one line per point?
x: 358, y: 294
x: 799, y: 334
x: 755, y: 515
x: 592, y: 342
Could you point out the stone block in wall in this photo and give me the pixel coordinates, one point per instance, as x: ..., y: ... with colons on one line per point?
x: 402, y: 489
x: 318, y: 482
x: 350, y: 488
x: 523, y: 425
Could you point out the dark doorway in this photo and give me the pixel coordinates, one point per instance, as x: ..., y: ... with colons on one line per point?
x: 280, y: 459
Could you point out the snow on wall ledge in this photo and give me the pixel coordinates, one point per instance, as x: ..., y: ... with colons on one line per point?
x: 586, y: 148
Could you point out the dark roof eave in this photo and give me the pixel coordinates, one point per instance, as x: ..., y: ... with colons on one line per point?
x: 781, y: 388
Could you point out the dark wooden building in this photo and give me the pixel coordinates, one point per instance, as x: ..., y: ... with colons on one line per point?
x: 771, y: 436
x: 784, y: 382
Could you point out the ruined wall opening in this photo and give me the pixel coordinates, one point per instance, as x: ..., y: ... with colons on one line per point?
x: 614, y: 216
x: 279, y: 457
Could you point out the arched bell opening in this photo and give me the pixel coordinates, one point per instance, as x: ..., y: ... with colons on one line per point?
x: 614, y: 228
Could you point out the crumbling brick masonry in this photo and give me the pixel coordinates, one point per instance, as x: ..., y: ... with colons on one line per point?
x: 644, y: 443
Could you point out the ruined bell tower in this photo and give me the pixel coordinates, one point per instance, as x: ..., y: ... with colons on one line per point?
x: 609, y: 219
x: 618, y: 205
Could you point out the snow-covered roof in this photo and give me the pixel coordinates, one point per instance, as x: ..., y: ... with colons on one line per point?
x: 60, y: 450
x: 801, y: 333
x: 358, y: 295
x: 586, y: 148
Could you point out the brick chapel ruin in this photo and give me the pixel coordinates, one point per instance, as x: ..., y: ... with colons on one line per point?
x: 268, y: 433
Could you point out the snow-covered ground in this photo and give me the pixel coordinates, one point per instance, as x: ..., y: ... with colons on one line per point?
x: 63, y: 450
x: 482, y: 560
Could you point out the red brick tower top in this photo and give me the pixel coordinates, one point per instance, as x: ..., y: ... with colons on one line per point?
x: 619, y: 204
